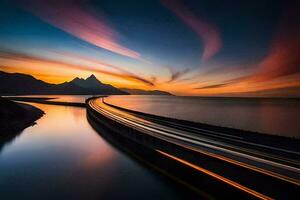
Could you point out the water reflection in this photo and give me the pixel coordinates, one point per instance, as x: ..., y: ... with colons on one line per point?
x: 62, y: 157
x: 7, y: 140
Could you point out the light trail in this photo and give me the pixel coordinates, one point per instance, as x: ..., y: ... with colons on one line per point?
x: 221, y: 178
x: 214, y: 175
x: 254, y: 160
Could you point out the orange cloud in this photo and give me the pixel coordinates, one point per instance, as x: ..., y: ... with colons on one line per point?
x: 14, y: 56
x: 74, y: 19
x: 207, y: 31
x: 284, y: 56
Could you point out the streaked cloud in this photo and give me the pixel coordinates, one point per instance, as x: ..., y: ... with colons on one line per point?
x: 177, y: 74
x: 250, y: 64
x: 279, y: 69
x: 283, y: 58
x: 212, y: 86
x: 207, y: 31
x: 77, y: 20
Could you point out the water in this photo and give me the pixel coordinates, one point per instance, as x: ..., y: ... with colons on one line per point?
x: 62, y: 157
x: 62, y: 98
x: 271, y: 116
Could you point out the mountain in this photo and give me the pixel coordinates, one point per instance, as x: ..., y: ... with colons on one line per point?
x: 145, y: 92
x: 90, y: 82
x: 94, y: 85
x: 23, y: 84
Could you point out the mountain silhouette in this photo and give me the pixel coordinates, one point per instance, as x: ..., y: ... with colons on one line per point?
x: 23, y: 84
x: 90, y: 82
x: 94, y: 85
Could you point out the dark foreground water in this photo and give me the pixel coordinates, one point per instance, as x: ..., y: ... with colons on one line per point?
x: 272, y: 116
x: 62, y: 157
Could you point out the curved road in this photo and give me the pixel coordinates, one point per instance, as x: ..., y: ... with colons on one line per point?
x: 278, y: 163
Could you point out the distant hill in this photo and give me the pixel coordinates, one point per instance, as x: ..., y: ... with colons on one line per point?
x: 23, y: 84
x: 145, y: 92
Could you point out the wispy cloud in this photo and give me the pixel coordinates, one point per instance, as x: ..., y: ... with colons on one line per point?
x: 283, y: 58
x: 206, y: 30
x: 177, y: 74
x: 75, y: 19
x: 212, y: 86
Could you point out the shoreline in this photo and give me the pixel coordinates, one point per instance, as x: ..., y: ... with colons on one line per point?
x: 44, y: 100
x: 22, y: 116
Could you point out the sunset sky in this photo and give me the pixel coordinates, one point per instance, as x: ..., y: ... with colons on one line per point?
x: 201, y: 47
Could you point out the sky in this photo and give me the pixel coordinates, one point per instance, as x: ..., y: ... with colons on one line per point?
x: 199, y: 48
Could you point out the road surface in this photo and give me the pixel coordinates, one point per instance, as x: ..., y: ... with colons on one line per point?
x: 279, y: 165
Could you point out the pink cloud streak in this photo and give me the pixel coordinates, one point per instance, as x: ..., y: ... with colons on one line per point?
x: 75, y: 20
x: 207, y: 31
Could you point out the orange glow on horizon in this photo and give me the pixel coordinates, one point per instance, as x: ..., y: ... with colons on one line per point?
x: 58, y: 71
x: 66, y: 75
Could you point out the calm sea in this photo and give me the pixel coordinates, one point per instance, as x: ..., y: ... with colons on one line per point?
x: 271, y: 116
